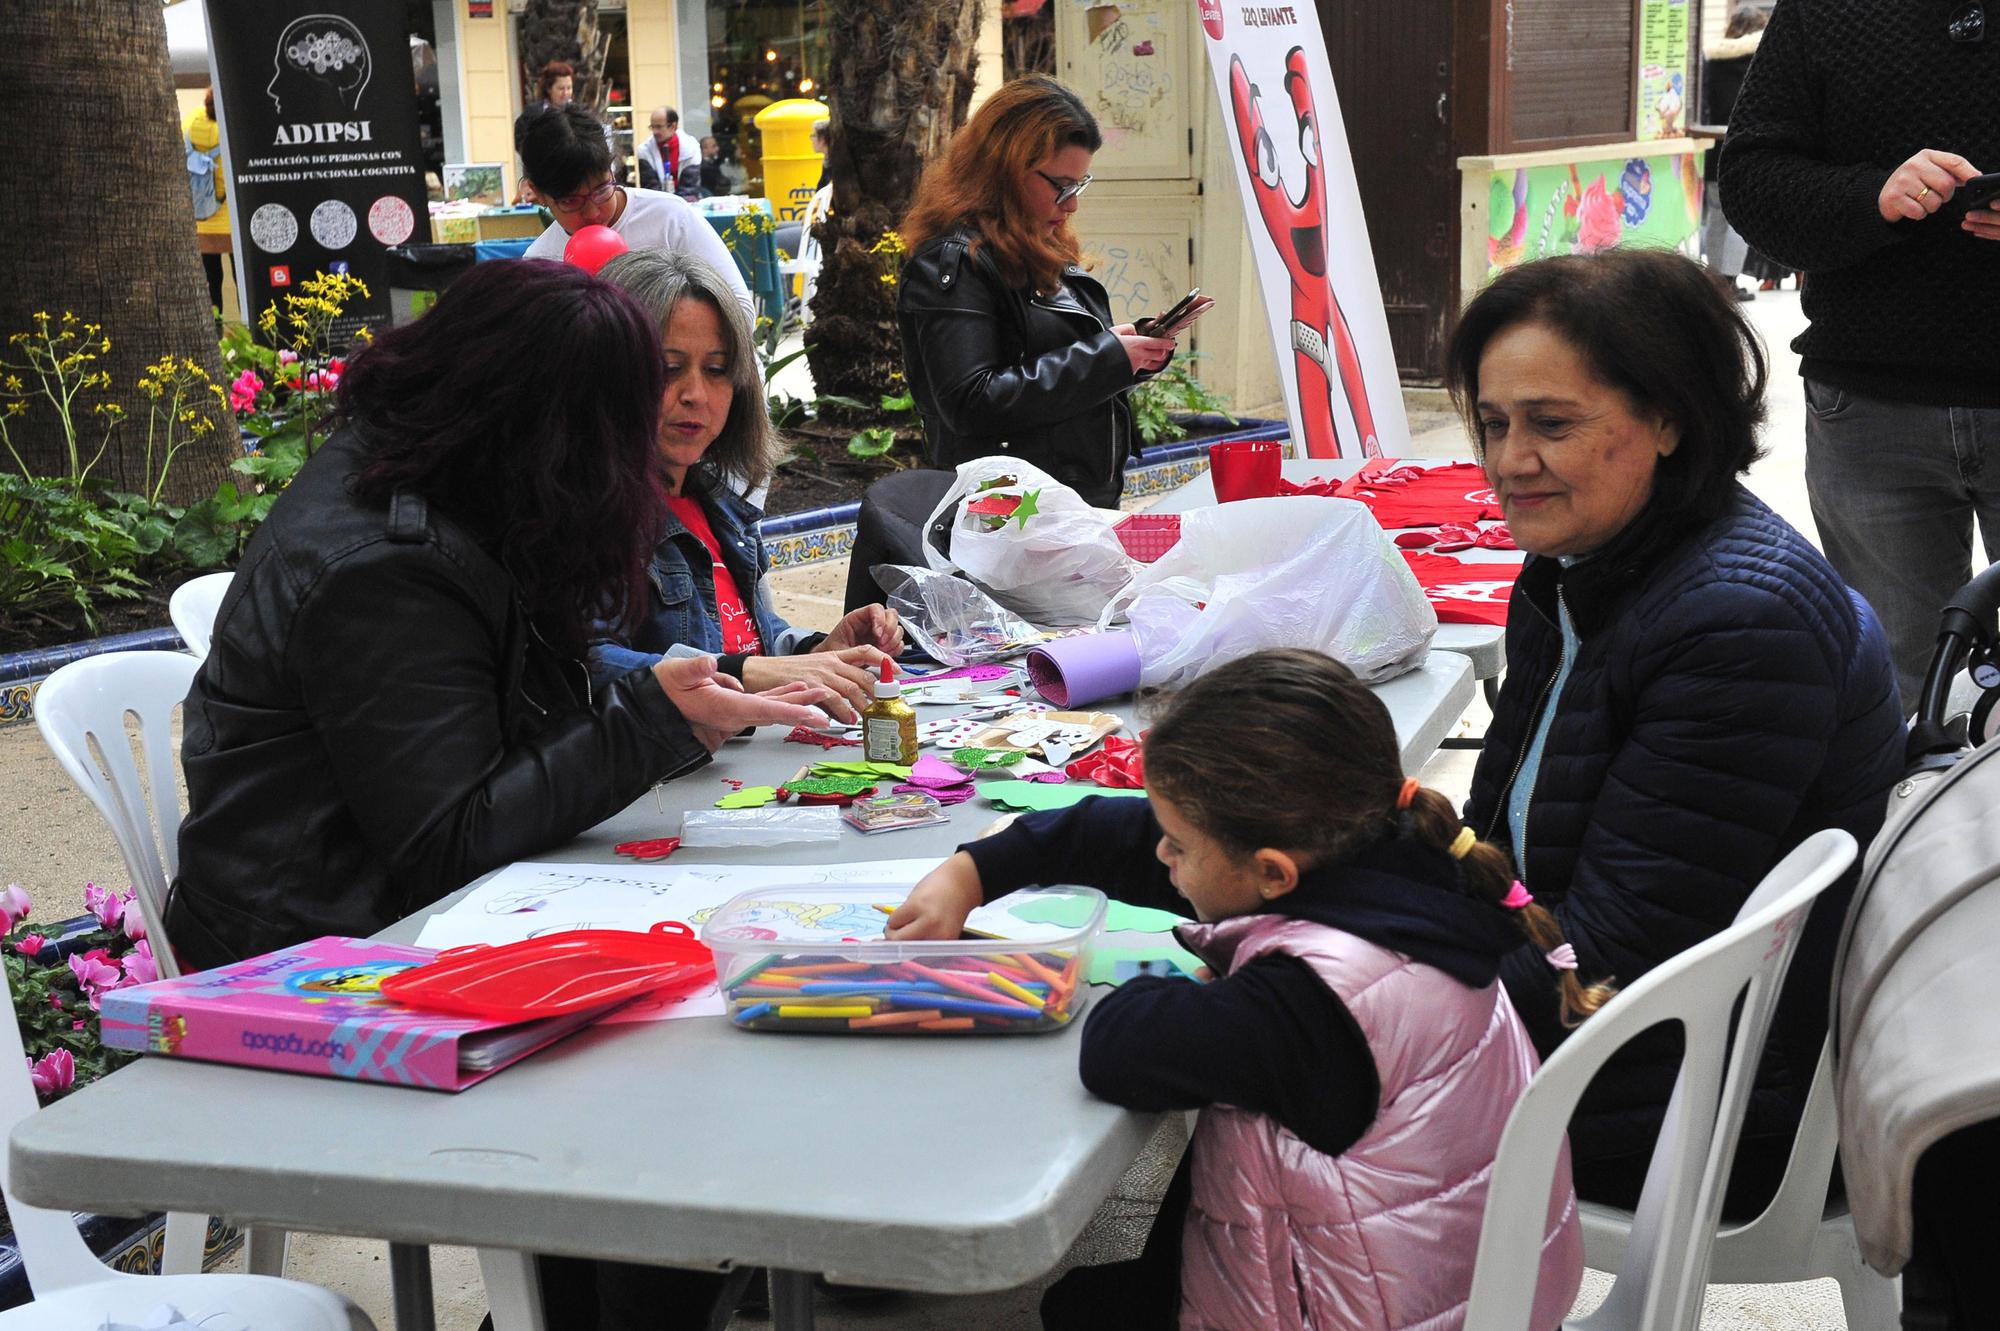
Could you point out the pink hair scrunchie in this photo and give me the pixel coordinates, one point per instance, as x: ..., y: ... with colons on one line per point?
x: 1517, y: 896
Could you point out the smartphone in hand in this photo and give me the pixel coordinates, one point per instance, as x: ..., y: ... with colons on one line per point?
x: 1978, y: 190
x: 1170, y: 324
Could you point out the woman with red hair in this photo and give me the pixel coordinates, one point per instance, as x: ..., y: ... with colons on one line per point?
x: 1008, y: 343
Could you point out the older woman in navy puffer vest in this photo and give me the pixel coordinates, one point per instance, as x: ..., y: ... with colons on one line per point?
x: 1691, y: 689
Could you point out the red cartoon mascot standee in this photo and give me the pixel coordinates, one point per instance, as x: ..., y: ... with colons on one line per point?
x: 1298, y: 230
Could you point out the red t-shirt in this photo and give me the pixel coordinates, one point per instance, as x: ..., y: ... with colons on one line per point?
x: 1463, y: 591
x: 739, y: 627
x: 1406, y: 496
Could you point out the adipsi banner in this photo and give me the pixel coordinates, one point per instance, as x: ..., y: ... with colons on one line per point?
x: 1293, y: 172
x: 319, y: 126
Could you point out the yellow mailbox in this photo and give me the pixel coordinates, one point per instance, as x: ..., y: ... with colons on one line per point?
x: 791, y: 167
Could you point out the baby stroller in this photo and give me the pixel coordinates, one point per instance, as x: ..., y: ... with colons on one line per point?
x: 1916, y: 1030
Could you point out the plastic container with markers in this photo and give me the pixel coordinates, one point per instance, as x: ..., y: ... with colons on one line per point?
x: 813, y: 958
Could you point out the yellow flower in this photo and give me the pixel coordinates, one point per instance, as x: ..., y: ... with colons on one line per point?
x: 16, y: 407
x: 13, y: 383
x: 41, y: 316
x: 105, y: 345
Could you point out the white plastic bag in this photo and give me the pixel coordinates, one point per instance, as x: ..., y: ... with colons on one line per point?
x: 1059, y: 566
x: 1300, y: 571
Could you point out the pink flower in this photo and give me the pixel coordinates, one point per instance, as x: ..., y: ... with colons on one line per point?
x: 30, y: 945
x: 243, y: 392
x: 106, y: 905
x: 141, y: 967
x: 286, y: 356
x: 94, y: 975
x: 133, y: 922
x: 1599, y: 222
x: 52, y: 1072
x: 14, y: 907
x: 323, y: 381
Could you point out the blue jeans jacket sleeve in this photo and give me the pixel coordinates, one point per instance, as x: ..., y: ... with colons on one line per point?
x: 609, y: 660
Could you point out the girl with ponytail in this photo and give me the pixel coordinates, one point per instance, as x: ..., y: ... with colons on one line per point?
x: 1351, y: 1048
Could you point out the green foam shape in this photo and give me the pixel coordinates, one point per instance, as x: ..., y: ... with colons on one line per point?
x: 750, y: 797
x: 1042, y: 795
x: 1074, y: 912
x: 832, y: 785
x: 1104, y: 960
x: 858, y: 767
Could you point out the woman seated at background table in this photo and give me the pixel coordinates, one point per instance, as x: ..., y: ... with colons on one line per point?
x: 395, y: 700
x: 707, y: 589
x: 1691, y: 690
x: 1008, y: 344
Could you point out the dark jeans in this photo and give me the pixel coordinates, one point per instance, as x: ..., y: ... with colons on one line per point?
x: 1894, y: 488
x: 211, y: 268
x: 890, y: 529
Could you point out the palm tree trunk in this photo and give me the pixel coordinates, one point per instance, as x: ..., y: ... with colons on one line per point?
x: 566, y: 30
x: 901, y: 81
x: 99, y: 221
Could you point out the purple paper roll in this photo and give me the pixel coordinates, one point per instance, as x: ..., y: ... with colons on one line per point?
x: 1075, y: 672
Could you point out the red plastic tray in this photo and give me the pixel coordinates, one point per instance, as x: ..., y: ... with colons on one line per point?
x: 1147, y: 536
x: 556, y: 975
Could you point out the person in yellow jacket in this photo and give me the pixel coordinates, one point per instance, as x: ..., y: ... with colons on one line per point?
x: 208, y: 181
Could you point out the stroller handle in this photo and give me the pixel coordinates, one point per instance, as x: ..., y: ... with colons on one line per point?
x: 1968, y: 620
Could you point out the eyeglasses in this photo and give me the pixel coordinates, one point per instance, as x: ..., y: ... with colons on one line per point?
x: 583, y: 198
x: 1968, y: 22
x: 1064, y: 193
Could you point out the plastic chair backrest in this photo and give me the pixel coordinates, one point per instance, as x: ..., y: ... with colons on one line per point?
x: 1662, y: 1278
x: 193, y: 607
x: 89, y: 699
x: 54, y: 1252
x: 1784, y: 1232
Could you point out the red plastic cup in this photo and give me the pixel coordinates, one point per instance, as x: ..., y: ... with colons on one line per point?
x: 1245, y: 469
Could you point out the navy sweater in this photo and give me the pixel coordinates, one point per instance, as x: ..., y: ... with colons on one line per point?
x: 1840, y: 94
x: 1270, y: 1037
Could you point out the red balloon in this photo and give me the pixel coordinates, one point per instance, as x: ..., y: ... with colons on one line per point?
x: 591, y: 247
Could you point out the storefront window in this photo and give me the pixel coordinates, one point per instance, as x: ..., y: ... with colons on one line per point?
x: 759, y: 52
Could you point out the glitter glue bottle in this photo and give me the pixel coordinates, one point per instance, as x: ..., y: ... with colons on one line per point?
x: 889, y: 725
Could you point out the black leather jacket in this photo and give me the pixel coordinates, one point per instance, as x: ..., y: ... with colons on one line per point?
x: 377, y: 723
x: 999, y: 369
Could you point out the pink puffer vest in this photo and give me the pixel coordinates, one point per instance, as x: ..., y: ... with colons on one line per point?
x: 1281, y: 1237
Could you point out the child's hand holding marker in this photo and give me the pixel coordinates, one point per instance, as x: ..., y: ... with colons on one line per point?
x: 938, y: 904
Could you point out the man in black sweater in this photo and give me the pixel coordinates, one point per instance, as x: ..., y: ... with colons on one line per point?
x: 1858, y: 124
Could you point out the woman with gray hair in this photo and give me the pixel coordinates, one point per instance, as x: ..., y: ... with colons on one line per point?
x: 708, y: 593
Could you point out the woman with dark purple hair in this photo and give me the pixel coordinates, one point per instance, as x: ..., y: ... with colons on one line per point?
x: 395, y: 700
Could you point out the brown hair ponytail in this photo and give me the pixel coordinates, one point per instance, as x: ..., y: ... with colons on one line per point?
x: 1489, y: 876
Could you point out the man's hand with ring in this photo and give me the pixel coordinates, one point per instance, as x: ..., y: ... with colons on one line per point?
x: 1922, y: 185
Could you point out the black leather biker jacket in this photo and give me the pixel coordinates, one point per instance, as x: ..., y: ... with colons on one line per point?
x: 1000, y: 369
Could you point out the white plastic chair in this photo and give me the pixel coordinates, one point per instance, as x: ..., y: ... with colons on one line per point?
x: 1664, y: 1267
x: 83, y: 706
x: 1799, y: 1236
x: 81, y: 710
x: 74, y: 1290
x: 807, y: 265
x: 193, y: 606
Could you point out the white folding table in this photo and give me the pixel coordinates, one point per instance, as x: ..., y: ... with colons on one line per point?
x: 952, y: 1165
